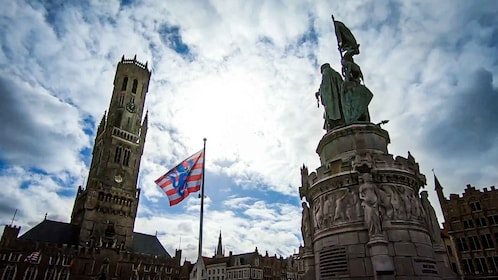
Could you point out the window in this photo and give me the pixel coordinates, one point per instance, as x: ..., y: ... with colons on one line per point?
x: 448, y: 248
x: 487, y: 241
x: 468, y: 224
x: 64, y: 274
x: 117, y: 154
x: 126, y: 158
x: 493, y: 220
x: 481, y: 222
x: 30, y: 273
x: 454, y: 267
x: 475, y: 206
x: 66, y: 261
x: 474, y: 243
x: 121, y: 100
x: 51, y: 274
x: 493, y: 263
x: 125, y: 83
x: 481, y: 265
x: 462, y: 244
x: 135, y: 85
x: 467, y: 265
x: 14, y: 257
x: 9, y: 272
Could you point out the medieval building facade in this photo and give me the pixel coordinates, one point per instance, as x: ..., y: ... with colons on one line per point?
x: 251, y: 265
x: 100, y: 241
x: 471, y: 221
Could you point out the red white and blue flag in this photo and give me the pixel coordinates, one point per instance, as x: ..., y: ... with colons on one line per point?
x: 184, y: 179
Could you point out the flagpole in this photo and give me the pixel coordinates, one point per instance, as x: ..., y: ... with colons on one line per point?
x: 199, y: 256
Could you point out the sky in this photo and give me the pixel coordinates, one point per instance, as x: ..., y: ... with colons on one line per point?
x: 243, y: 75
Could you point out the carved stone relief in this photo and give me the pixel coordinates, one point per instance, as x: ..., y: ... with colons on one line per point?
x: 370, y: 203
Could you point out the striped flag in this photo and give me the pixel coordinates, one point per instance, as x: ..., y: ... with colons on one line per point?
x: 33, y: 257
x: 184, y: 179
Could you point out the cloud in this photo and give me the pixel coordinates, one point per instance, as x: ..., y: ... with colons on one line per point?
x: 243, y: 75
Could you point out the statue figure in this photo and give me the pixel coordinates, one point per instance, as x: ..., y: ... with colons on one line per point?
x: 430, y: 219
x: 345, y: 100
x: 368, y: 195
x: 306, y: 226
x: 330, y: 96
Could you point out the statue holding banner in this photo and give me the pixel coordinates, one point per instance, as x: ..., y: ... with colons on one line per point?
x: 345, y: 100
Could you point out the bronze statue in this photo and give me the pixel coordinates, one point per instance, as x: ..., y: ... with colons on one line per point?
x: 345, y: 100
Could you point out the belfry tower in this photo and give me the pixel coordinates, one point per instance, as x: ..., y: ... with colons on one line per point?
x: 106, y: 208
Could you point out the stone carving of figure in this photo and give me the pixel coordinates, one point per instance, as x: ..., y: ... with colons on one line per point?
x: 430, y: 218
x: 317, y: 209
x: 405, y: 197
x: 341, y: 207
x: 327, y: 215
x: 330, y: 96
x: 416, y: 207
x: 306, y: 226
x: 394, y: 200
x: 370, y: 203
x: 357, y: 204
x: 91, y: 202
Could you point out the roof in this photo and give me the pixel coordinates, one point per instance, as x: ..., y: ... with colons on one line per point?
x: 148, y: 244
x: 66, y: 233
x: 53, y: 232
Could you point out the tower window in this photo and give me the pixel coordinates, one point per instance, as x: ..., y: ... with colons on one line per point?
x: 126, y: 158
x: 135, y: 85
x: 117, y: 155
x: 121, y: 99
x: 125, y: 83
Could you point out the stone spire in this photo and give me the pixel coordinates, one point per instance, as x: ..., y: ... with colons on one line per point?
x: 219, y: 250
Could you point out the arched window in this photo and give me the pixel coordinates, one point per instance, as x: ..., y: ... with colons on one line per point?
x: 51, y: 274
x: 117, y: 154
x: 135, y: 85
x: 121, y: 100
x: 9, y: 272
x: 64, y: 274
x: 30, y: 273
x: 125, y: 83
x: 126, y: 158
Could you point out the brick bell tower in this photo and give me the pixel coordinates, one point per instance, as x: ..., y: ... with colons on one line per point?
x: 106, y: 209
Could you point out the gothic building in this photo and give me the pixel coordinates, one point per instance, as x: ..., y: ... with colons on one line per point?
x: 99, y: 242
x: 471, y: 221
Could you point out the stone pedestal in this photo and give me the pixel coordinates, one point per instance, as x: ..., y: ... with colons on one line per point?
x: 366, y: 212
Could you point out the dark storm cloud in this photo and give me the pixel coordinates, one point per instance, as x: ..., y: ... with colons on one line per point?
x: 17, y: 123
x: 34, y: 125
x: 469, y: 124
